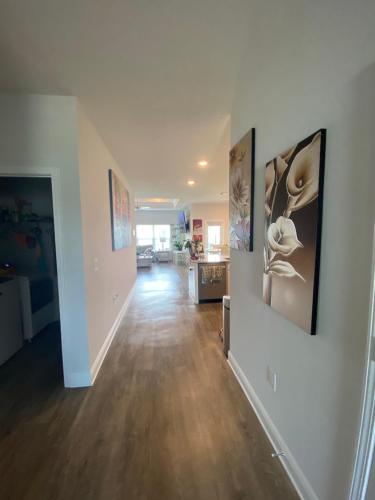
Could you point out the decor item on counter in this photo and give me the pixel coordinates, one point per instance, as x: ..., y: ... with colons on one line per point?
x: 198, y: 243
x: 241, y: 193
x: 120, y: 213
x: 190, y: 245
x: 293, y: 219
x: 198, y: 236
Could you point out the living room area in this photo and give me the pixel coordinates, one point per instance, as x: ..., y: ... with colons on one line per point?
x: 159, y: 235
x: 166, y: 235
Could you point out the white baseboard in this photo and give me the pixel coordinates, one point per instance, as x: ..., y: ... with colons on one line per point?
x: 78, y: 379
x: 289, y: 463
x: 111, y: 334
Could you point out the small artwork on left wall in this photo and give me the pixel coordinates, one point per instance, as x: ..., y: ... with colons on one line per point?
x: 241, y: 193
x: 120, y: 213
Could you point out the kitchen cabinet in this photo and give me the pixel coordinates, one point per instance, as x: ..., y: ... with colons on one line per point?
x: 208, y: 279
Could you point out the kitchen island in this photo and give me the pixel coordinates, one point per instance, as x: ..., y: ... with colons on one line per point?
x: 208, y: 278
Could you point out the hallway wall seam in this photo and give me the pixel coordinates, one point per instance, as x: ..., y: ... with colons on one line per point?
x: 297, y: 477
x: 96, y: 365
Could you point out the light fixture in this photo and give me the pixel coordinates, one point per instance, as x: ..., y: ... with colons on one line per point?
x: 203, y: 163
x: 191, y: 182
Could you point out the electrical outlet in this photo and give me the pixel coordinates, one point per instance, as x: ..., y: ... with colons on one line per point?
x: 272, y: 378
x: 95, y: 264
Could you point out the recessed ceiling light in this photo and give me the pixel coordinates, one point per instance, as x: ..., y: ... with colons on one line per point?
x: 203, y: 163
x: 191, y: 182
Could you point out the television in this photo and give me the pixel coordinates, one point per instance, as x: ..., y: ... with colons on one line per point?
x: 184, y: 222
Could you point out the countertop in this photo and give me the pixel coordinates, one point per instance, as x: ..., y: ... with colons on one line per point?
x: 212, y: 259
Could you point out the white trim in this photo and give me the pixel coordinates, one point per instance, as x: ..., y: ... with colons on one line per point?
x: 289, y: 463
x: 95, y: 367
x: 78, y: 379
x: 366, y: 435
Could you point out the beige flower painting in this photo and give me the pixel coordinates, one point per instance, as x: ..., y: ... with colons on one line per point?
x: 241, y: 175
x: 293, y: 211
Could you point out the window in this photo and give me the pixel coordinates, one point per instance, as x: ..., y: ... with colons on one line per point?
x: 214, y: 234
x: 157, y: 236
x: 162, y: 237
x: 145, y: 234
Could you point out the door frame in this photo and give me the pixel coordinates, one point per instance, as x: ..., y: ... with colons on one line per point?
x: 366, y: 438
x: 52, y: 173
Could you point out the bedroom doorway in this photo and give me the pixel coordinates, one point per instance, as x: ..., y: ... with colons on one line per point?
x: 29, y: 299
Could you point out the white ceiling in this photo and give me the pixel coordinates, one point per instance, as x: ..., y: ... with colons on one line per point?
x: 156, y: 77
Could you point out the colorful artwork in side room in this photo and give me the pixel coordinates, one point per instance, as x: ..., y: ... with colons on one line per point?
x: 293, y: 218
x: 241, y: 193
x: 120, y: 213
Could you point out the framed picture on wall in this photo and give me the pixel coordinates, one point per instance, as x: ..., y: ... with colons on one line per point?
x: 197, y: 226
x: 293, y: 219
x: 120, y: 213
x: 241, y: 193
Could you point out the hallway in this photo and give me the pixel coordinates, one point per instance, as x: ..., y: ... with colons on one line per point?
x: 166, y: 418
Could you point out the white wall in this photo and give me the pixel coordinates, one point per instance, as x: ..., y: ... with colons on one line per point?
x: 51, y: 134
x: 156, y: 216
x: 310, y: 65
x: 39, y: 133
x: 107, y: 273
x: 210, y: 212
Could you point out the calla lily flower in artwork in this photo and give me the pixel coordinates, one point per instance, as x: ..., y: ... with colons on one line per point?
x: 282, y: 237
x: 303, y: 178
x: 284, y: 269
x: 280, y: 166
x: 286, y: 156
x: 269, y: 180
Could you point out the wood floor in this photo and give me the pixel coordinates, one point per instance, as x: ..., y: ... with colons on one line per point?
x: 165, y: 420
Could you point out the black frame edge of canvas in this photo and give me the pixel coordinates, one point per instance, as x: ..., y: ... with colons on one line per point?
x: 111, y: 209
x: 252, y: 179
x: 314, y: 315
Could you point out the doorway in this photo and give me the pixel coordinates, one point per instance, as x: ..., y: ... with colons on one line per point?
x: 29, y: 299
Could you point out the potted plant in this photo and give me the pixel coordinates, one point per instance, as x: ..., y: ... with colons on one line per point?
x: 178, y: 245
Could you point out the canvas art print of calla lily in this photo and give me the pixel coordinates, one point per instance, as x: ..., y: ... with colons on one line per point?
x: 241, y: 192
x: 293, y: 212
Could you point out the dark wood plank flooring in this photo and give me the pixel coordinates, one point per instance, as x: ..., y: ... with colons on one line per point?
x: 165, y: 420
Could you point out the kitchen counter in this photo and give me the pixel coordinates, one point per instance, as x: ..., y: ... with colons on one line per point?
x: 208, y: 278
x: 211, y: 259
